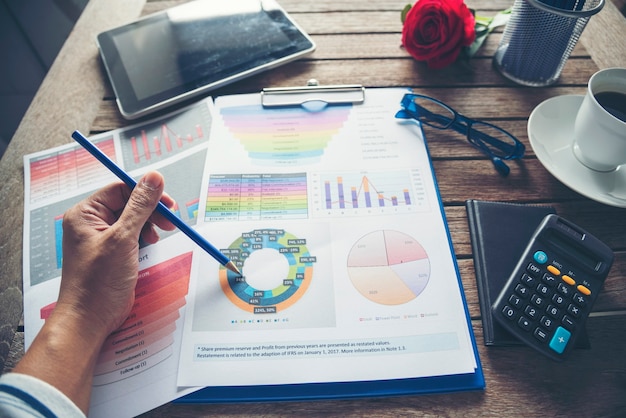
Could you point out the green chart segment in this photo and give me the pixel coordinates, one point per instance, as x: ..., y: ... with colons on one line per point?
x: 293, y: 285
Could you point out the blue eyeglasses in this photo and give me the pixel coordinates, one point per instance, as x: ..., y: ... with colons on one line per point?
x: 495, y: 142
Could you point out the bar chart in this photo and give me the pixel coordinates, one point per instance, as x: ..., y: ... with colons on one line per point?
x: 162, y: 139
x: 146, y: 337
x: 368, y: 192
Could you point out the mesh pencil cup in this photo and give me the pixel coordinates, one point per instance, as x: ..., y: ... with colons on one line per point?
x: 539, y: 38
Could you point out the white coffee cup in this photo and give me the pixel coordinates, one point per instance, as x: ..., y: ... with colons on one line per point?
x: 599, y: 135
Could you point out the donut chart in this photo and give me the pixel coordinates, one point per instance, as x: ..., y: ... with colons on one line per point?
x: 291, y: 288
x: 388, y: 267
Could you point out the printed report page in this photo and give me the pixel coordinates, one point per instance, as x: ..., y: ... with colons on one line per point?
x: 334, y: 220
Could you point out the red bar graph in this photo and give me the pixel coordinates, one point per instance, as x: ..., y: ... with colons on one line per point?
x: 145, y: 148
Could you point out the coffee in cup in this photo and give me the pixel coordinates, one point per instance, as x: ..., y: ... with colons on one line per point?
x: 600, y: 126
x: 613, y: 102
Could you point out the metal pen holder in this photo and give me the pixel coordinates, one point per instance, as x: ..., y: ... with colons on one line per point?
x: 539, y: 38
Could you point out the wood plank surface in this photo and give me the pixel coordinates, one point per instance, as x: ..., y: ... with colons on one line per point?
x: 359, y: 42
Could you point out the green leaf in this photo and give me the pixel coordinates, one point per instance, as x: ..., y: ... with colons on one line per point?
x: 500, y: 19
x: 484, y: 26
x: 404, y: 12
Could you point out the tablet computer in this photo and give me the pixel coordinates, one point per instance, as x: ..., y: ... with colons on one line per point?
x: 187, y: 50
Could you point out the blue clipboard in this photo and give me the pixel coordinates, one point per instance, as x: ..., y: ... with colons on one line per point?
x: 328, y: 96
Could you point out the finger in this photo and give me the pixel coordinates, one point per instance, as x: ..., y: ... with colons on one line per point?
x: 148, y: 234
x: 100, y: 209
x: 161, y: 221
x: 141, y: 204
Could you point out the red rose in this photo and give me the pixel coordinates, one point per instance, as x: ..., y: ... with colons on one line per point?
x: 435, y: 31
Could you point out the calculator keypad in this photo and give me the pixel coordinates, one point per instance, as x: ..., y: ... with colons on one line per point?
x: 545, y: 304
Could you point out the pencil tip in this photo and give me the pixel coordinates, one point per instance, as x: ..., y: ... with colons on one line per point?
x: 232, y: 267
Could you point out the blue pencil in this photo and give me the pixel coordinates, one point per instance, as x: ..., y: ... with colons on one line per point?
x: 161, y: 208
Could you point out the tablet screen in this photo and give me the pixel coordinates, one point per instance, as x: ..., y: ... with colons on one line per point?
x: 190, y: 49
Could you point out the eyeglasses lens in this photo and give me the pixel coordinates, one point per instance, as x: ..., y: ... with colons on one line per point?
x: 432, y: 113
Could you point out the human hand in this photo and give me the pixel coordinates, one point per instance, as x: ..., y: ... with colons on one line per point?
x: 101, y: 250
x: 99, y: 274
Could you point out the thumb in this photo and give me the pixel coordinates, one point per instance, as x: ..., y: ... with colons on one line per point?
x: 142, y: 202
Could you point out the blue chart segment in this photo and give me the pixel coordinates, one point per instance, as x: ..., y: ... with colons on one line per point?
x: 368, y: 193
x: 291, y: 287
x: 58, y: 240
x: 284, y: 136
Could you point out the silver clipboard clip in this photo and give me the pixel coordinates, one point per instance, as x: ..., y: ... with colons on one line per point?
x: 312, y: 95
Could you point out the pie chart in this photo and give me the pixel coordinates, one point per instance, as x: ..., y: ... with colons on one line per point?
x: 388, y: 267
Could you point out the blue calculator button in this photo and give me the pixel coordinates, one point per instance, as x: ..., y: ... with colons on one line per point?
x: 560, y: 339
x: 541, y: 257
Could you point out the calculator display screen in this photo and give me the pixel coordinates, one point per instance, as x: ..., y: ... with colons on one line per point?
x: 574, y: 251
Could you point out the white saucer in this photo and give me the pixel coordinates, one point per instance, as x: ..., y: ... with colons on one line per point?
x: 551, y: 133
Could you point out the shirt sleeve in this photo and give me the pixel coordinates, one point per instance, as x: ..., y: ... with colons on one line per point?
x: 26, y: 396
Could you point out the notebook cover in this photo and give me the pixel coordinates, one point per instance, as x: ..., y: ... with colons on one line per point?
x: 499, y: 233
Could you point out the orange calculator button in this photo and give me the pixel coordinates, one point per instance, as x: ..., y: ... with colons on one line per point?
x: 583, y: 289
x: 568, y: 280
x: 554, y: 270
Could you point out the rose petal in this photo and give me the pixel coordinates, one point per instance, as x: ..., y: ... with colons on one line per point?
x: 435, y: 31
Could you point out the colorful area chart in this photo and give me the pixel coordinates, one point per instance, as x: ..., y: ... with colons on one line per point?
x: 388, y: 267
x: 290, y: 135
x: 291, y: 287
x: 146, y: 337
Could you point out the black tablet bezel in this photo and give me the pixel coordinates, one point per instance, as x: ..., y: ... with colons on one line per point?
x: 132, y: 107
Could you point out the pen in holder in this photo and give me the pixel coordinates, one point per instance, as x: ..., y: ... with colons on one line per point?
x: 539, y: 38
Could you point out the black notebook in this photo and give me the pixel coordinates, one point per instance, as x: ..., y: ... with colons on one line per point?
x: 499, y: 233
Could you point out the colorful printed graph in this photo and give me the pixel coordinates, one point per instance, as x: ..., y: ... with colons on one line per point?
x: 46, y: 226
x: 291, y: 287
x: 146, y: 337
x: 191, y: 210
x: 162, y: 139
x: 361, y: 192
x: 368, y: 192
x: 388, y: 267
x: 256, y: 196
x: 160, y: 144
x: 285, y: 135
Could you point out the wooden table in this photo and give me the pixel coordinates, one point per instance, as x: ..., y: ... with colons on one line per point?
x: 359, y: 42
